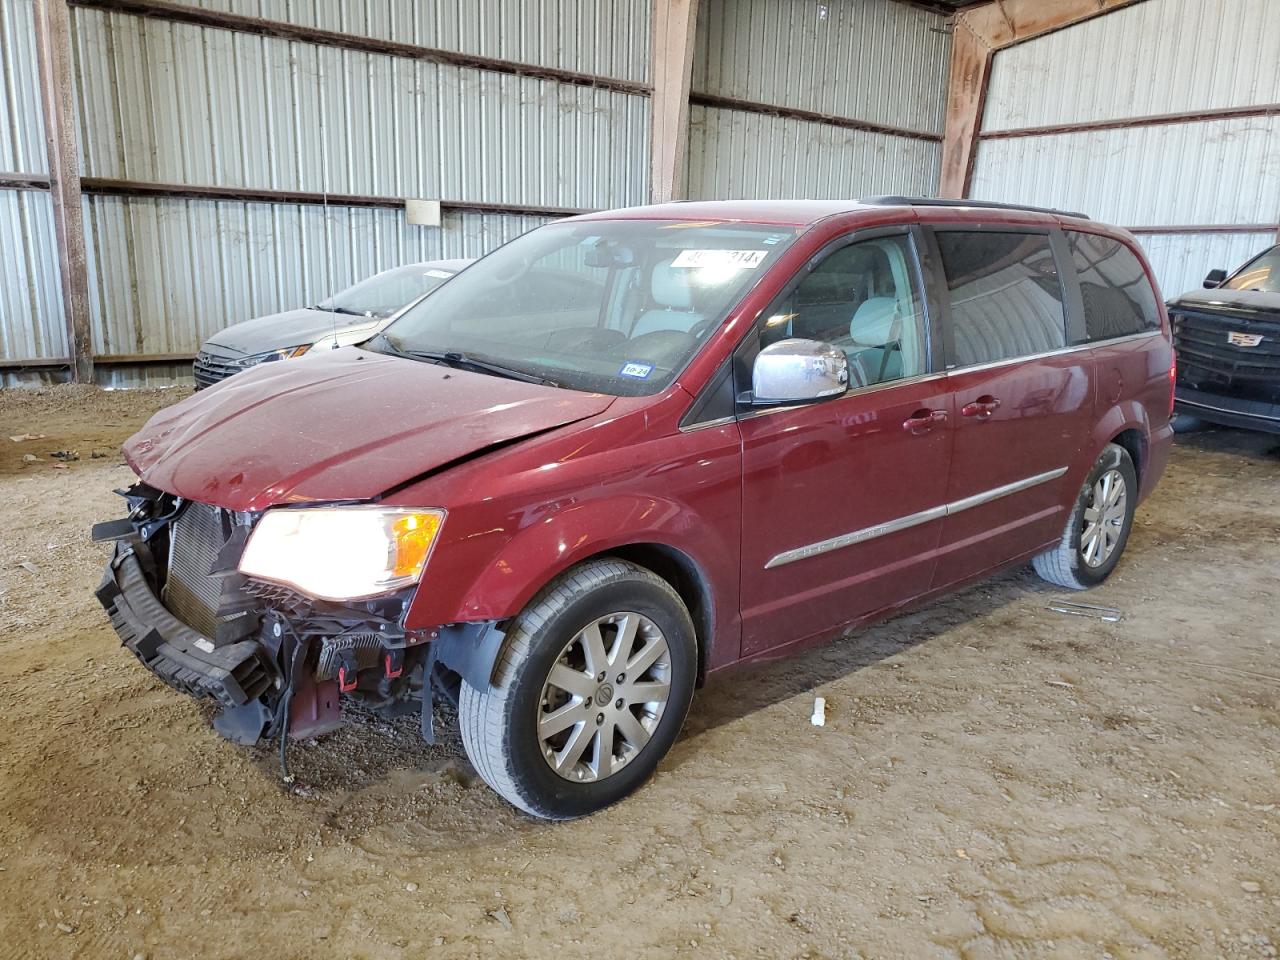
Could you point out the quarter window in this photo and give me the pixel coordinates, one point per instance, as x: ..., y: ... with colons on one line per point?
x: 1118, y: 300
x: 862, y: 299
x: 1006, y: 297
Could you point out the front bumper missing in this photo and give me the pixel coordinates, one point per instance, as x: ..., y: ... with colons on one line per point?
x: 234, y: 674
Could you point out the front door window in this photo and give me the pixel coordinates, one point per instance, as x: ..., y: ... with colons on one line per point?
x: 860, y: 299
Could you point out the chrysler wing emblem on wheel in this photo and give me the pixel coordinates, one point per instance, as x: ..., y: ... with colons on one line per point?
x: 1238, y: 339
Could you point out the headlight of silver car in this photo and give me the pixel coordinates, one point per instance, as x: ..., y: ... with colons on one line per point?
x: 284, y: 353
x: 342, y: 553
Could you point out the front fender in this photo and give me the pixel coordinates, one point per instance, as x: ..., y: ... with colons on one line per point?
x: 577, y: 530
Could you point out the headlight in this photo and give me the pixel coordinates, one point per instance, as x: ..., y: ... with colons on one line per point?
x: 344, y: 338
x: 342, y: 553
x: 284, y: 353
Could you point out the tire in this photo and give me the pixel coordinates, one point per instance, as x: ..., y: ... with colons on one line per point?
x: 1186, y: 423
x: 1071, y: 563
x: 502, y: 726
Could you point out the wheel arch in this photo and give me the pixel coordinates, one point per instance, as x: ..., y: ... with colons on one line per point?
x: 684, y: 575
x: 1134, y: 443
x: 1126, y: 425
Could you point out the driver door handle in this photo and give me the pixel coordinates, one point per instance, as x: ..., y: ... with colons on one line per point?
x: 982, y: 408
x: 922, y: 421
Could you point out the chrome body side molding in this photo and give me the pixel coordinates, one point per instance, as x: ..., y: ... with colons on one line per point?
x: 911, y: 520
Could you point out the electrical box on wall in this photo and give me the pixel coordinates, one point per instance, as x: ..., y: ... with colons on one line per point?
x: 422, y: 213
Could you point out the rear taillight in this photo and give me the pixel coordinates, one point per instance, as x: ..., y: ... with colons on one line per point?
x: 1173, y: 378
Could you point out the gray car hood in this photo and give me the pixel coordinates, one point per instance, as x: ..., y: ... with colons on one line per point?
x: 278, y: 330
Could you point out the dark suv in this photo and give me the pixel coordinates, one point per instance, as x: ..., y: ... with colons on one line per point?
x: 633, y: 448
x: 1228, y: 342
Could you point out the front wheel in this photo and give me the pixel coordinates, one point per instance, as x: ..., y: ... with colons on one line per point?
x: 589, y: 693
x: 1098, y: 526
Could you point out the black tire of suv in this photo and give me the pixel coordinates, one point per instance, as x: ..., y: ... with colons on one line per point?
x: 498, y: 728
x: 1188, y: 423
x: 1064, y: 565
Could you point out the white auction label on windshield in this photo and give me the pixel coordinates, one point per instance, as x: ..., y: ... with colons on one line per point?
x: 721, y: 259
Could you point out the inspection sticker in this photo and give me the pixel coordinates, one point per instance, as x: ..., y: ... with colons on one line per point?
x: 634, y: 368
x: 721, y: 259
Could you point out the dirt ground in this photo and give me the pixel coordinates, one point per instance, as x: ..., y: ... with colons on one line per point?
x: 995, y: 779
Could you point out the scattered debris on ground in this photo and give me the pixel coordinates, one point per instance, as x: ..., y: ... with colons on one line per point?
x: 998, y: 783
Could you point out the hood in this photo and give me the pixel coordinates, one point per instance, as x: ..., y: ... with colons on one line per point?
x: 1247, y: 303
x: 345, y: 425
x: 292, y: 328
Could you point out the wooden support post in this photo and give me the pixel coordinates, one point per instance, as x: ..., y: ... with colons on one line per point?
x: 980, y: 32
x: 674, y: 23
x: 53, y: 44
x: 966, y: 94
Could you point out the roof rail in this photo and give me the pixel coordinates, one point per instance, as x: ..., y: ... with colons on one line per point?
x: 983, y: 204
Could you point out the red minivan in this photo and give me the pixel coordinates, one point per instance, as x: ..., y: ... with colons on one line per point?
x: 632, y: 448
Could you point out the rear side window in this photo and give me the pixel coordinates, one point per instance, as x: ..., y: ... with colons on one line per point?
x: 1006, y: 297
x: 1118, y: 299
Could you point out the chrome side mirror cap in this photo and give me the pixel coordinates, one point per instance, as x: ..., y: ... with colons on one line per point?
x: 796, y: 370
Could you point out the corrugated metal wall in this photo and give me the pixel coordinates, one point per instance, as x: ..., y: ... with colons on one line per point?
x: 874, y: 61
x: 608, y: 38
x: 735, y: 154
x: 21, y: 119
x: 31, y: 322
x: 175, y: 103
x: 166, y: 273
x: 171, y: 103
x: 1157, y: 57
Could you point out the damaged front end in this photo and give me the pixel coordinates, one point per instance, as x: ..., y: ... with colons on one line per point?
x: 269, y: 656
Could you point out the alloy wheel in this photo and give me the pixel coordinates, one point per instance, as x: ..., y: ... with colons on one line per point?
x: 604, y: 697
x: 1104, y: 518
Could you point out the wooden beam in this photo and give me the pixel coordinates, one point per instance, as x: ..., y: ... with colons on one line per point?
x: 260, y: 26
x: 674, y: 23
x: 23, y: 181
x: 981, y: 31
x: 102, y: 360
x: 53, y: 45
x: 810, y: 116
x: 104, y: 186
x: 1003, y: 23
x: 1125, y: 123
x: 967, y: 84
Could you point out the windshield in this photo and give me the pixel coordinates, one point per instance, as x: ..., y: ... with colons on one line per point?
x: 389, y: 292
x: 610, y: 306
x: 1261, y: 273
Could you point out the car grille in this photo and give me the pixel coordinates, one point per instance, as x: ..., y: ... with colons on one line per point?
x: 1206, y: 354
x: 190, y: 593
x: 211, y: 367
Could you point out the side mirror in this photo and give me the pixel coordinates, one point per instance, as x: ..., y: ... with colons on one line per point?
x: 795, y: 370
x: 1214, y: 279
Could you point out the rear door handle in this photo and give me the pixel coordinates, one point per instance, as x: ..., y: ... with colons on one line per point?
x: 922, y: 421
x: 981, y: 408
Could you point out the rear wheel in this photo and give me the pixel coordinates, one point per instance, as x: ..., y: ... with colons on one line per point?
x: 1098, y: 526
x: 589, y: 693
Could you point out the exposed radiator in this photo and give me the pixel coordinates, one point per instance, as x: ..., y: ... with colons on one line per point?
x: 190, y: 593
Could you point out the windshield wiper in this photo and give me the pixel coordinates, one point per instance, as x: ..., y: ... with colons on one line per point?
x: 453, y: 358
x: 349, y: 313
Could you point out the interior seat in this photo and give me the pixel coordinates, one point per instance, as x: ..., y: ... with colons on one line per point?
x: 673, y: 292
x: 872, y: 333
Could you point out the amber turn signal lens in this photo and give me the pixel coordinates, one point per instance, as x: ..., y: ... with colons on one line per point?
x: 411, y: 538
